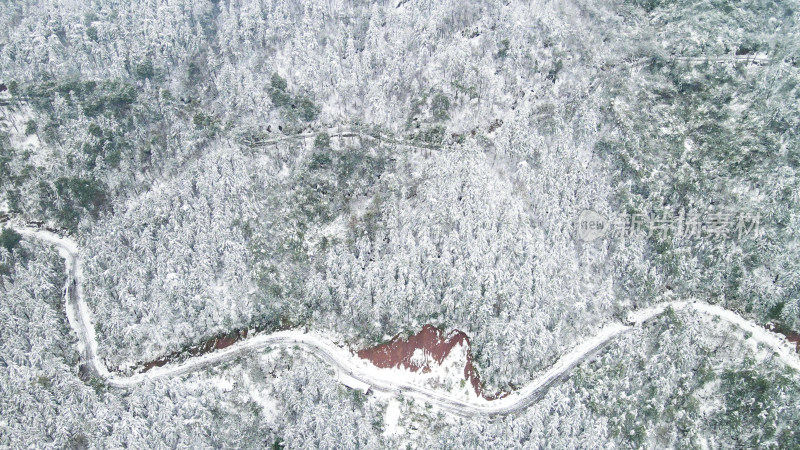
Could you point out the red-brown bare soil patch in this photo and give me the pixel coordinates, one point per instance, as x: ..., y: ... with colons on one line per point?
x: 398, y: 352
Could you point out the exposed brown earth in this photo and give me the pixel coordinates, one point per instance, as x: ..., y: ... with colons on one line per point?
x: 210, y: 345
x: 398, y: 352
x: 791, y: 336
x: 795, y: 338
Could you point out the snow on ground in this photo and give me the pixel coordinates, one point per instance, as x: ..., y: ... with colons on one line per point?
x: 441, y: 387
x: 15, y: 127
x: 256, y: 391
x: 755, y: 334
x: 391, y: 419
x: 240, y: 387
x: 445, y: 377
x: 567, y: 361
x: 335, y: 230
x: 222, y: 383
x: 352, y: 382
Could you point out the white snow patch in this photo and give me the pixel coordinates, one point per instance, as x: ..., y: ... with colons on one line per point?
x: 419, y: 358
x: 351, y: 382
x: 269, y: 405
x: 336, y: 229
x: 391, y: 419
x: 17, y: 120
x: 223, y: 384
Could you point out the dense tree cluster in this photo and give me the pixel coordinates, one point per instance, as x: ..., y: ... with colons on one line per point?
x: 718, y: 138
x: 160, y: 135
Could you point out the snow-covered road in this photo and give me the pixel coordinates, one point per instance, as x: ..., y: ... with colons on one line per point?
x: 349, y: 367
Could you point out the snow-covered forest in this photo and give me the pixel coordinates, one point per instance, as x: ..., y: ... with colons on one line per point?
x: 361, y: 169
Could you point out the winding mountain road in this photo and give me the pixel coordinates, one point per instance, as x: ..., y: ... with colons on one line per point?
x: 349, y: 366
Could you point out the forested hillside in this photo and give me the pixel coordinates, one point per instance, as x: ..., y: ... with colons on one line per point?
x: 362, y: 169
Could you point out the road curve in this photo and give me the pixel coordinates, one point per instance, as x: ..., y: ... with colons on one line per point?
x: 346, y: 363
